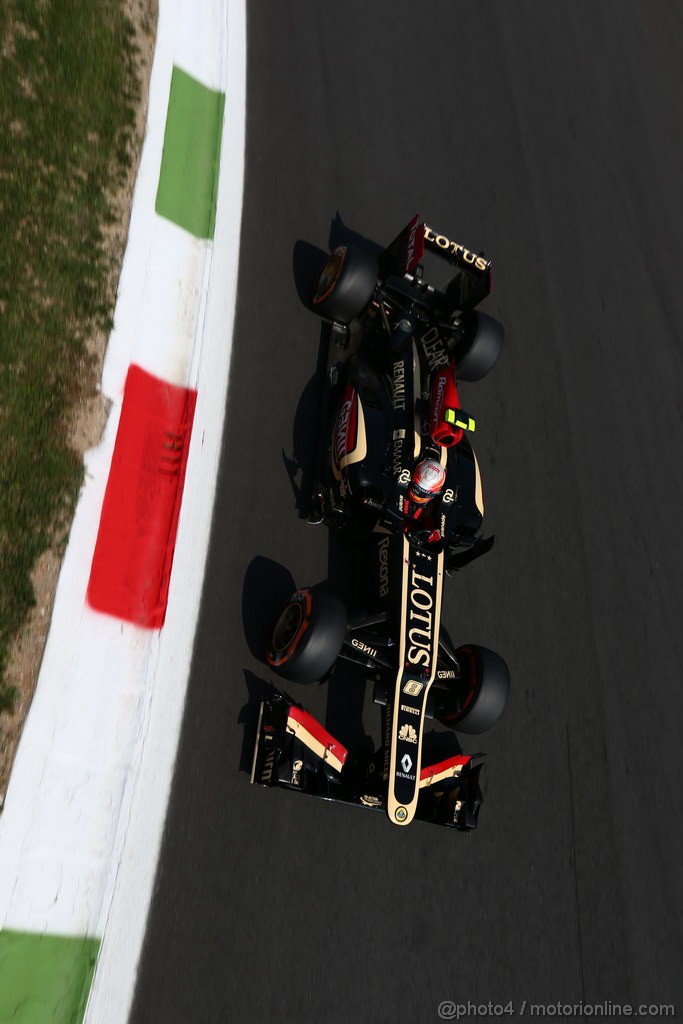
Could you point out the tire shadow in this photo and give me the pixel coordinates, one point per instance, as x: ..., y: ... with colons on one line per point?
x: 267, y: 586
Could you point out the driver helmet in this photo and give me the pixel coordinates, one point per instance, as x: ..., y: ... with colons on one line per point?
x: 427, y: 481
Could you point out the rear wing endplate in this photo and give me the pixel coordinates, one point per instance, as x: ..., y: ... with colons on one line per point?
x: 466, y: 290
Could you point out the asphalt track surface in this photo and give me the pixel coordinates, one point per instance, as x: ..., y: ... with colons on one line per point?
x: 550, y: 136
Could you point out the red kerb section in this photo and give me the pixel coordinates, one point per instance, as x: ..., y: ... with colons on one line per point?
x: 131, y: 567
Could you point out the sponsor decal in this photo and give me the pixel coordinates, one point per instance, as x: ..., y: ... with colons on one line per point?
x: 372, y: 503
x: 412, y: 257
x: 344, y: 435
x: 434, y: 349
x: 407, y: 733
x: 448, y: 496
x: 365, y: 648
x: 446, y: 673
x: 409, y: 710
x: 397, y: 454
x: 400, y: 814
x: 399, y: 385
x: 440, y: 388
x: 268, y: 766
x: 455, y: 249
x: 405, y: 775
x: 371, y: 801
x: 387, y: 739
x: 383, y: 549
x: 413, y: 688
x: 406, y: 762
x: 419, y: 637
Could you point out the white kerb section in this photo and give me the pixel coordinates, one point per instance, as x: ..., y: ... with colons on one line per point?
x: 124, y: 921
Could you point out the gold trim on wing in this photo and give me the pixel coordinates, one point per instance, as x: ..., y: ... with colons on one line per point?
x: 447, y: 773
x: 301, y: 732
x: 478, y: 491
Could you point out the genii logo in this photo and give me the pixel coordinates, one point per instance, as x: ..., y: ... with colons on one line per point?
x: 383, y: 550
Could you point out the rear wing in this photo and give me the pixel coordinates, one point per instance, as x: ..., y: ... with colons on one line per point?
x: 470, y: 285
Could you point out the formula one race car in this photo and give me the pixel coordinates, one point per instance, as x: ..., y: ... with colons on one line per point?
x: 396, y: 475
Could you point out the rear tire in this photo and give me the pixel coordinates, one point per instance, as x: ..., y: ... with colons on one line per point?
x: 307, y: 636
x: 346, y: 284
x: 474, y: 702
x: 481, y: 347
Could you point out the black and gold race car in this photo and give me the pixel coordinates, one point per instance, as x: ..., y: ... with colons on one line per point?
x: 396, y: 476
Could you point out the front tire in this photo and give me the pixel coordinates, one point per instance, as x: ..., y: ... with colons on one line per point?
x: 474, y: 701
x: 307, y: 636
x: 345, y: 285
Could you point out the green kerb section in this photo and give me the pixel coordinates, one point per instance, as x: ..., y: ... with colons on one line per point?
x: 45, y: 978
x: 188, y: 181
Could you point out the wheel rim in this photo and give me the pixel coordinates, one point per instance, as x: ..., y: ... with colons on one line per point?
x: 330, y: 274
x: 287, y: 627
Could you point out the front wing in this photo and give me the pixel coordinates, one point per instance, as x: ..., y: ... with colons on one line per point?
x: 293, y: 751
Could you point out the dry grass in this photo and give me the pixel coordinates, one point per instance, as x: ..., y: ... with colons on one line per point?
x: 72, y: 88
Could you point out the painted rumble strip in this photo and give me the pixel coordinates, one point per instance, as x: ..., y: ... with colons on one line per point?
x: 45, y: 977
x: 84, y: 814
x: 189, y: 169
x: 131, y: 566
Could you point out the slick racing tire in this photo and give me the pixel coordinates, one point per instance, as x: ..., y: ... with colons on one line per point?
x: 307, y: 636
x: 345, y: 285
x: 480, y: 348
x: 474, y: 702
